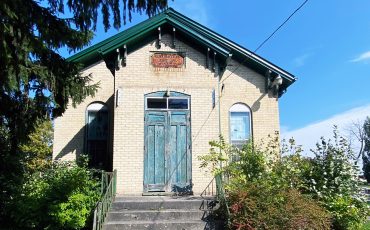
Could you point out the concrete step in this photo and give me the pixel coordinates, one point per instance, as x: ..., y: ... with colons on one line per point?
x: 159, y: 225
x: 159, y: 203
x: 153, y: 215
x: 161, y: 198
x: 161, y: 212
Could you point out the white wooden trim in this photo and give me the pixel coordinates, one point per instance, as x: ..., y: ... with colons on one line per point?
x: 239, y: 107
x: 96, y: 107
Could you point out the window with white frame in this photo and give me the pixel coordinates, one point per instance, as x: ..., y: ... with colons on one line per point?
x: 240, y: 124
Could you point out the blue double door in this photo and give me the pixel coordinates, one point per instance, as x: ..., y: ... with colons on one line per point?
x: 167, y: 159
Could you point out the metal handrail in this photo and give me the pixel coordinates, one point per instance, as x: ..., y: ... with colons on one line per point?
x: 216, y: 189
x: 220, y: 193
x: 108, y: 193
x: 210, y: 190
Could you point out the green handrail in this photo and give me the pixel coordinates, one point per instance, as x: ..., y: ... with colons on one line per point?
x: 108, y: 193
x: 220, y: 193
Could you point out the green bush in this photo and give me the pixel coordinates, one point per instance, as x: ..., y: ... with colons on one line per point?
x: 348, y: 213
x: 59, y: 198
x: 262, y: 182
x: 260, y: 193
x: 334, y: 181
x: 260, y: 206
x: 330, y: 177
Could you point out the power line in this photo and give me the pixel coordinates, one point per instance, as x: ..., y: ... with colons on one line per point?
x: 268, y: 38
x: 286, y: 20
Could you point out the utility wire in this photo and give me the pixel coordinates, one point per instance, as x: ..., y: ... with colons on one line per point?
x: 268, y: 38
x: 286, y: 20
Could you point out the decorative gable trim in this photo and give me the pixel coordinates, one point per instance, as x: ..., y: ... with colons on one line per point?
x: 216, y: 47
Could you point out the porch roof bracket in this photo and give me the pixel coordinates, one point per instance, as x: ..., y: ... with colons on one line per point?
x: 226, y: 63
x: 124, y: 60
x: 214, y: 62
x: 118, y: 61
x: 207, y: 58
x: 159, y: 37
x: 109, y: 63
x: 174, y: 37
x: 268, y: 79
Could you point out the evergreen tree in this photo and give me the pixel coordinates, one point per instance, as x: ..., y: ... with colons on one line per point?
x: 35, y: 79
x: 37, y: 151
x: 366, y: 155
x: 30, y: 35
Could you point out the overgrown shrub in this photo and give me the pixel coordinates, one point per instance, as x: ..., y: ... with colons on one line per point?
x: 260, y: 194
x: 262, y: 184
x: 260, y: 206
x: 330, y: 177
x: 333, y: 180
x: 333, y: 171
x: 242, y: 165
x: 348, y: 213
x: 62, y: 197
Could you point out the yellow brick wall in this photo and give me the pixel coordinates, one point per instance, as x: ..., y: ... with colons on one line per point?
x: 139, y: 78
x: 69, y: 129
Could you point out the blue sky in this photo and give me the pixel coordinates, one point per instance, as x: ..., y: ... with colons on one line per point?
x: 326, y: 45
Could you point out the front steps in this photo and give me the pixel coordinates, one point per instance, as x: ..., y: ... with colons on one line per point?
x: 161, y: 212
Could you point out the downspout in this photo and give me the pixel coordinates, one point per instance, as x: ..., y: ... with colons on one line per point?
x: 219, y: 102
x: 219, y: 76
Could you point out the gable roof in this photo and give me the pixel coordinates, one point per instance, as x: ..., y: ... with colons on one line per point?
x: 188, y: 29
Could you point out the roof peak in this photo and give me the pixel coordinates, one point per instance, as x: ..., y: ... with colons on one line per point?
x: 185, y: 27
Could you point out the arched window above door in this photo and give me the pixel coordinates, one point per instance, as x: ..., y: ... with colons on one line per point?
x: 240, y: 124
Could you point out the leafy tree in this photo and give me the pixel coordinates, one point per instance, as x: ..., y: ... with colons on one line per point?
x: 37, y: 151
x: 366, y: 154
x: 357, y: 132
x: 31, y: 34
x: 34, y: 78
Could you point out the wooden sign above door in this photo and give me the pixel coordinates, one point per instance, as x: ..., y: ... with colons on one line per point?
x: 167, y: 60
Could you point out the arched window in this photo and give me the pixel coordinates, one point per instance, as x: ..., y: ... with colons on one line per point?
x: 240, y: 124
x: 97, y: 134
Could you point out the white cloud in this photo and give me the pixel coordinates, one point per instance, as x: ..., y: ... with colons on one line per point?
x: 301, y: 60
x: 310, y: 134
x: 362, y: 57
x: 194, y: 9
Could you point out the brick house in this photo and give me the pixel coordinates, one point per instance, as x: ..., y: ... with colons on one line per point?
x: 167, y: 87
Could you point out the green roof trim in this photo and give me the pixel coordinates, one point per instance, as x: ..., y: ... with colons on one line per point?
x: 204, y: 36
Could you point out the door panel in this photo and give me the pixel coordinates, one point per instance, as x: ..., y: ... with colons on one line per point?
x: 159, y: 158
x: 172, y: 173
x: 155, y: 154
x: 181, y: 155
x: 179, y: 151
x: 150, y: 154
